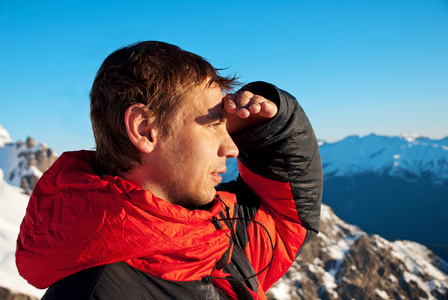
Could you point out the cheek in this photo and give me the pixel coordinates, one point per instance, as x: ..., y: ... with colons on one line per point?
x: 199, y: 158
x: 189, y: 155
x: 197, y: 152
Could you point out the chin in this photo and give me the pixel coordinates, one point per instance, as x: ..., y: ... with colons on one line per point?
x: 207, y: 199
x: 194, y: 201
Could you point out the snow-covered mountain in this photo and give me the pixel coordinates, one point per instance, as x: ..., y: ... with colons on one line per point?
x: 342, y: 262
x: 4, y: 136
x: 411, y: 157
x: 396, y: 187
x: 23, y: 162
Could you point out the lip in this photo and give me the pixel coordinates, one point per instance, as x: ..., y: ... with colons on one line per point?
x: 217, y: 175
x: 222, y: 171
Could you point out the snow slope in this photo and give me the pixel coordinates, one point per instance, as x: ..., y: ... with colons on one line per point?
x: 13, y: 204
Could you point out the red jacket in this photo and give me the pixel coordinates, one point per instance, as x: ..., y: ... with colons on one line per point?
x: 77, y: 220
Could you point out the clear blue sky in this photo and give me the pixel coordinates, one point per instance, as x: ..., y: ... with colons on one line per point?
x: 357, y: 67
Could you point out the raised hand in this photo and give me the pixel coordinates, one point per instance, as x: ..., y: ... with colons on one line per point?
x: 245, y: 109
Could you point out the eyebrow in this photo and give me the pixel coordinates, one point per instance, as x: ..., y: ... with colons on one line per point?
x: 220, y: 115
x: 213, y: 116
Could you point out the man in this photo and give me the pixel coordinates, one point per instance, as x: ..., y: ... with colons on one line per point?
x: 141, y: 217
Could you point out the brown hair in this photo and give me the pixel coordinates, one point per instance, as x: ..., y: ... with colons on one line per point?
x: 156, y: 74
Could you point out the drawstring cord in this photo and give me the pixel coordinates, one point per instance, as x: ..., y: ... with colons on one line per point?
x: 215, y: 221
x: 267, y: 266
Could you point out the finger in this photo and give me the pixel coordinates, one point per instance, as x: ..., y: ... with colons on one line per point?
x: 268, y: 109
x: 243, y: 100
x: 229, y: 103
x: 255, y: 104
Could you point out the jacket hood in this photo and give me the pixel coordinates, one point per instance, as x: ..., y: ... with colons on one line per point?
x: 76, y: 219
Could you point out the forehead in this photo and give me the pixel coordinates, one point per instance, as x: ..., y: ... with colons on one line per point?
x: 205, y: 100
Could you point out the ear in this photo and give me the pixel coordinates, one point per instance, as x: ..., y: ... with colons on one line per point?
x: 140, y: 128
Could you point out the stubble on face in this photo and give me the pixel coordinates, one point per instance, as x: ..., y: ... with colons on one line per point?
x: 175, y: 181
x: 185, y: 165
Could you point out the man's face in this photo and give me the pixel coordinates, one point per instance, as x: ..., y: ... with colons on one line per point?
x: 192, y: 156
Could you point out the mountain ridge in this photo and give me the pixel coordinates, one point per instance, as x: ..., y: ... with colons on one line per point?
x: 396, y: 187
x: 406, y: 156
x: 344, y: 262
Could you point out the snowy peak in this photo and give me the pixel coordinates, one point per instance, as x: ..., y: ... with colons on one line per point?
x: 23, y: 162
x: 4, y: 137
x: 392, y: 186
x: 409, y: 156
x: 410, y: 137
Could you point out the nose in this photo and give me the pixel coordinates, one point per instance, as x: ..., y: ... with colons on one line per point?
x: 228, y: 148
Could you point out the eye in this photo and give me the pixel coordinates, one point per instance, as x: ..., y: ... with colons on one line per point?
x: 217, y: 124
x: 214, y: 125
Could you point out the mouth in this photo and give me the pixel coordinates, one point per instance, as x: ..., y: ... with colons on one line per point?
x: 217, y: 175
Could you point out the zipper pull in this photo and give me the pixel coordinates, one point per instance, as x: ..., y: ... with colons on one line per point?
x: 217, y: 224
